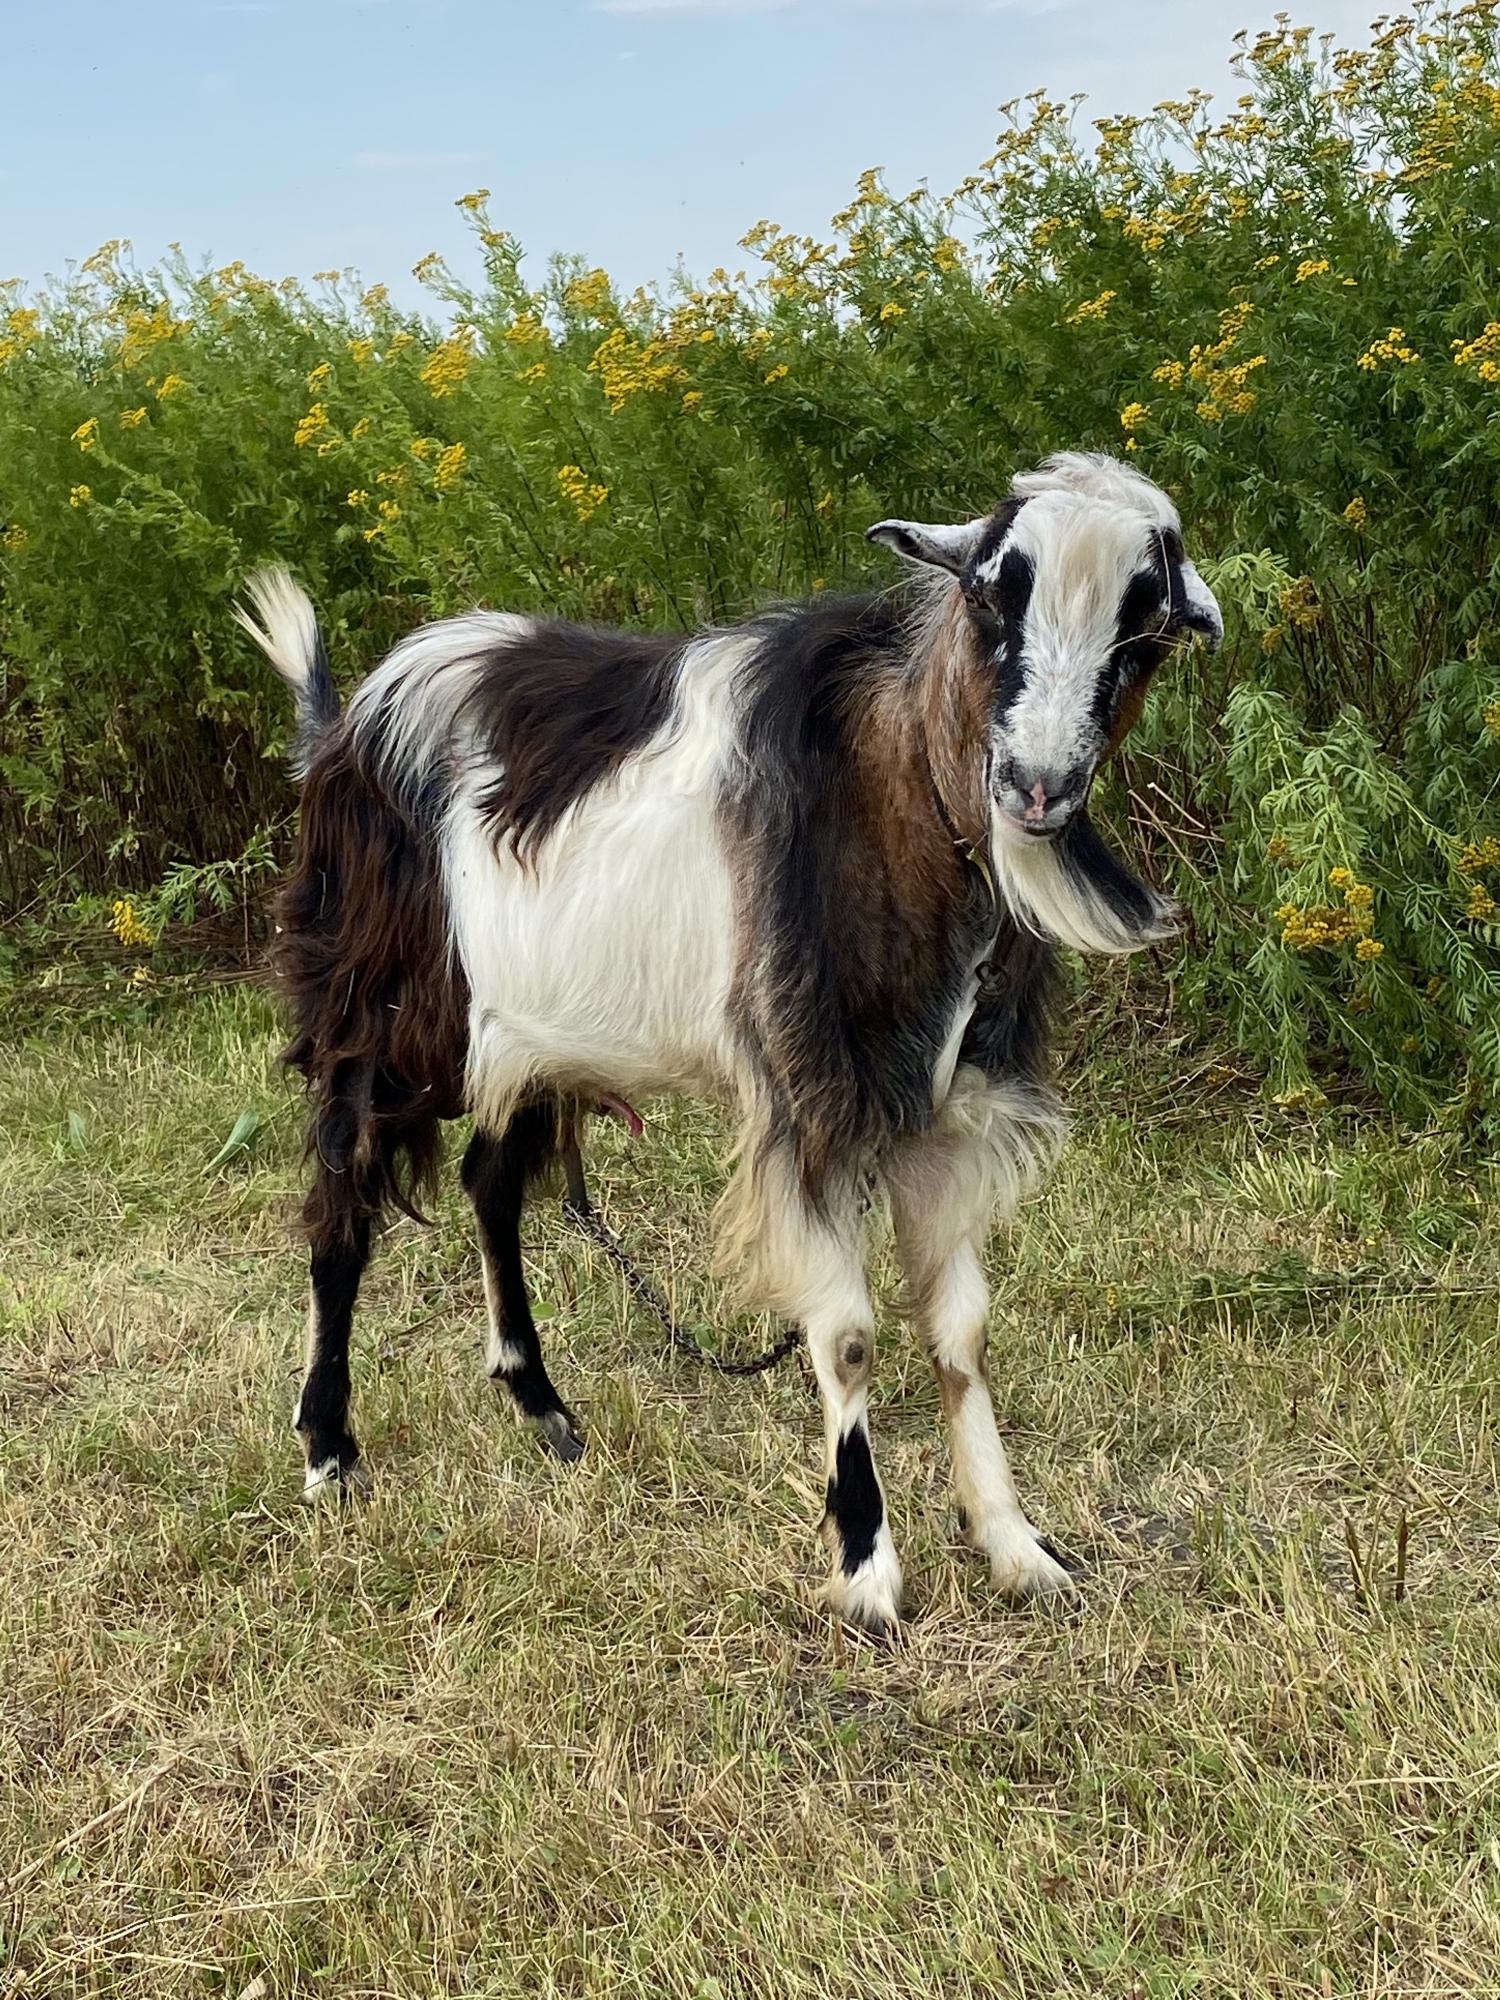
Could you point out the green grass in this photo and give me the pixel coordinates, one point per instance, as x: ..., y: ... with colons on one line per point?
x: 518, y: 1729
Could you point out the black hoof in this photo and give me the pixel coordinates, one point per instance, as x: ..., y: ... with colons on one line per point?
x: 1071, y: 1564
x: 557, y: 1430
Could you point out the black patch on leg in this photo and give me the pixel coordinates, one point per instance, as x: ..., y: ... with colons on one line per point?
x: 854, y: 1501
x: 496, y: 1175
x: 338, y: 1264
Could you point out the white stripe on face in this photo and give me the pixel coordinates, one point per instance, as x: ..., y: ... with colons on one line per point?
x: 1084, y: 556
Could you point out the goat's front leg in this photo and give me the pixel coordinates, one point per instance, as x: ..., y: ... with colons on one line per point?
x: 821, y: 1285
x: 948, y: 1294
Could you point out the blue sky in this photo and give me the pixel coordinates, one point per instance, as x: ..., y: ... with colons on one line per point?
x: 304, y: 135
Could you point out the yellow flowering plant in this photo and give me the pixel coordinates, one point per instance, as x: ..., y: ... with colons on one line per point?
x: 1283, y: 310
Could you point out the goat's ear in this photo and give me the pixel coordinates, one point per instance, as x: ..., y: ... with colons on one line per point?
x: 1194, y: 606
x: 923, y: 542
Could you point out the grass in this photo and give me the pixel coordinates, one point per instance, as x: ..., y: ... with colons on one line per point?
x: 521, y: 1730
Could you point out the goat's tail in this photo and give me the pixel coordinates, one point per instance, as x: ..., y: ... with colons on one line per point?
x: 285, y: 627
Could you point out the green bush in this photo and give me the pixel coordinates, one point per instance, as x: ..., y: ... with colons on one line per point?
x: 1288, y: 314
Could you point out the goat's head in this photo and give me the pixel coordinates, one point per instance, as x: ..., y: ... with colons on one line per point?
x: 1073, y: 591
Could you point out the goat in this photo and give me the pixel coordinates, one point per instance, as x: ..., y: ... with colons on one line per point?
x: 817, y: 864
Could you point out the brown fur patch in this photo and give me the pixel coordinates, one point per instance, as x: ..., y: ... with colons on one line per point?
x: 955, y: 713
x: 953, y: 1385
x: 1132, y: 701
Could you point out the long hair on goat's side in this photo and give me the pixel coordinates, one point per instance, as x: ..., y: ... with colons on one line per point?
x: 379, y: 1007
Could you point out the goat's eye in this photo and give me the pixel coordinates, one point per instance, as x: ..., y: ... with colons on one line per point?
x: 975, y: 598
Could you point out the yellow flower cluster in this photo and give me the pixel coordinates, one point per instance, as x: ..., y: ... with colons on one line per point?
x: 1357, y: 513
x: 313, y: 426
x: 1223, y: 382
x: 1479, y: 855
x: 626, y: 368
x: 169, y: 386
x: 86, y: 437
x: 527, y: 330
x: 473, y: 202
x: 375, y: 297
x: 450, y: 467
x: 358, y: 498
x: 1330, y: 926
x: 1279, y: 850
x: 1490, y: 716
x: 427, y: 268
x: 80, y: 496
x: 145, y: 330
x: 589, y: 295
x: 1311, y: 267
x: 21, y: 328
x: 448, y: 363
x: 1090, y: 309
x: 388, y: 511
x: 1228, y: 395
x: 1299, y: 603
x: 1392, y: 347
x: 1482, y: 354
x: 1145, y: 232
x: 126, y: 923
x: 316, y: 377
x: 892, y: 309
x: 777, y: 374
x: 103, y: 260
x: 15, y: 537
x: 586, y: 496
x: 1131, y: 418
x: 362, y: 350
x: 132, y: 419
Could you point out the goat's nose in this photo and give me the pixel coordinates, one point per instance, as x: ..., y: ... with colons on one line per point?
x: 1042, y: 792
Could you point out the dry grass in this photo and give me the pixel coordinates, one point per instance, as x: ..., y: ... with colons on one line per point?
x: 516, y: 1729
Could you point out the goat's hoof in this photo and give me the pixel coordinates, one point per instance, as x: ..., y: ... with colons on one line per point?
x: 556, y: 1428
x: 336, y: 1480
x: 889, y: 1634
x: 870, y: 1598
x: 1027, y: 1568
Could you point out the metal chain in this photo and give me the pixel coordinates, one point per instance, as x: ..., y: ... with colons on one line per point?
x: 584, y: 1217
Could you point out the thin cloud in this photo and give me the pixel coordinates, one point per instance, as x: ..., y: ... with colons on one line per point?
x: 415, y: 163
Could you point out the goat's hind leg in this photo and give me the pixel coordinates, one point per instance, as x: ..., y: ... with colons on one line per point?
x: 497, y: 1174
x: 339, y: 1235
